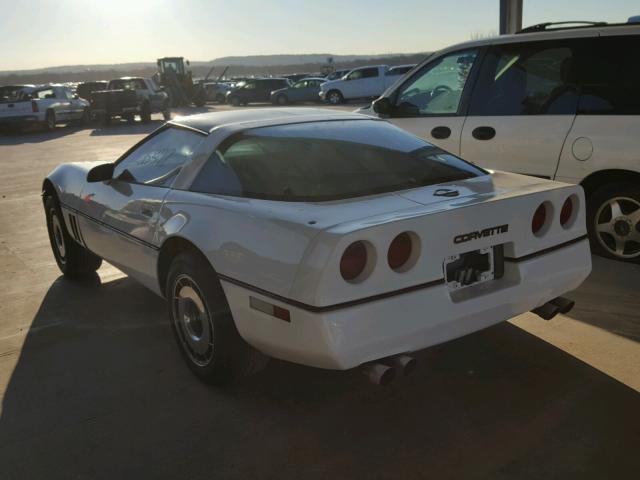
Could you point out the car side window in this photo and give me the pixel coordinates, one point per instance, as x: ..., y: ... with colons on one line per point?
x: 370, y: 72
x: 610, y: 75
x: 527, y: 79
x: 249, y: 86
x: 48, y: 93
x: 159, y: 160
x: 437, y: 89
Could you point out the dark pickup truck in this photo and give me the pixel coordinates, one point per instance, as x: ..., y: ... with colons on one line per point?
x: 127, y: 97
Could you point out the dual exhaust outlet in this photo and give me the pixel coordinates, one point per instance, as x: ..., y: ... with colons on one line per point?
x: 384, y: 372
x: 554, y: 307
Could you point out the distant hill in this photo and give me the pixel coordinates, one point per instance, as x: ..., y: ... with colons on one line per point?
x: 238, y: 66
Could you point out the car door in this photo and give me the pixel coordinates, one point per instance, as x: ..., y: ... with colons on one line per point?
x: 61, y: 105
x: 431, y: 103
x: 300, y: 91
x: 121, y: 215
x: 76, y: 107
x: 362, y: 83
x: 522, y: 107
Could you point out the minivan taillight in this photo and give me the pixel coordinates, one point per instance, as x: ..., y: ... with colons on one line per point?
x: 353, y: 261
x: 34, y: 106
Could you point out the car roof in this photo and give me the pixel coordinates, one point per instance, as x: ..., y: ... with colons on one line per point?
x: 262, y: 117
x: 552, y: 34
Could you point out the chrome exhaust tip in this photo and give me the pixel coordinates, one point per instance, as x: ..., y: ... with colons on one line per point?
x: 405, y: 364
x: 380, y: 374
x: 546, y: 311
x: 564, y: 304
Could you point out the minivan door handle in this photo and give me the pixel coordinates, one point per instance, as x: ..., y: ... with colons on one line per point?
x: 441, y: 132
x: 483, y: 133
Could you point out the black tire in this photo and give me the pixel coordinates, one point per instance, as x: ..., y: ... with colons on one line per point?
x: 129, y: 117
x: 235, y: 101
x: 200, y: 99
x: 220, y: 98
x: 72, y: 258
x: 166, y: 113
x: 86, y: 117
x: 106, y: 119
x: 615, y: 229
x: 145, y: 113
x: 282, y: 99
x: 50, y: 120
x: 208, y: 340
x: 334, y: 97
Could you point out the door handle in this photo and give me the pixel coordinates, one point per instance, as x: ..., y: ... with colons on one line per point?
x: 483, y: 133
x: 441, y: 132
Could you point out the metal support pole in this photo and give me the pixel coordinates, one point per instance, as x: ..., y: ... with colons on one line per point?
x: 510, y: 16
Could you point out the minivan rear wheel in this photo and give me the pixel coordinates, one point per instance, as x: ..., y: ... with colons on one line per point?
x: 613, y: 221
x: 334, y: 97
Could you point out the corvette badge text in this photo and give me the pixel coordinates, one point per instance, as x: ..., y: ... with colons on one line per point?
x: 487, y: 232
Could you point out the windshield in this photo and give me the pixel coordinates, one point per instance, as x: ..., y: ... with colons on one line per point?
x: 331, y: 160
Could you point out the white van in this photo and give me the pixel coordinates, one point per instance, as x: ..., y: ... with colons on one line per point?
x: 557, y: 103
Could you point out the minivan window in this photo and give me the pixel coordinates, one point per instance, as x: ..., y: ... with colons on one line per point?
x: 437, y: 89
x: 527, y: 79
x: 321, y: 161
x: 610, y: 77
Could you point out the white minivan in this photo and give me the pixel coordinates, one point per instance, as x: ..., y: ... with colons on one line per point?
x: 556, y: 103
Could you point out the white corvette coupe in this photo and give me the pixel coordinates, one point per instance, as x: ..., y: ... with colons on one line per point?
x: 327, y: 239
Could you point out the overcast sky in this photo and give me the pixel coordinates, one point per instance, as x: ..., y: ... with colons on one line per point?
x: 39, y: 33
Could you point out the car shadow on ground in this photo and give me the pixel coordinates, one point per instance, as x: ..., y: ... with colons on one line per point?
x: 36, y: 134
x: 99, y: 390
x: 614, y: 284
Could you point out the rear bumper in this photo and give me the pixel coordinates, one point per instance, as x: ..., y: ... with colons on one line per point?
x: 347, y: 337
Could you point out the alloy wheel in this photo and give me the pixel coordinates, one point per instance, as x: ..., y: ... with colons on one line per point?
x: 617, y: 224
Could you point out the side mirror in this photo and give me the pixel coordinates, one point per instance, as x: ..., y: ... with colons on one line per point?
x: 382, y: 106
x: 100, y: 173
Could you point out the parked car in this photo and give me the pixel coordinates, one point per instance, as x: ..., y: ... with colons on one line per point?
x: 217, y: 91
x: 362, y: 82
x: 305, y: 90
x: 255, y: 90
x: 558, y: 103
x: 85, y: 89
x: 323, y: 238
x: 127, y: 97
x: 47, y: 105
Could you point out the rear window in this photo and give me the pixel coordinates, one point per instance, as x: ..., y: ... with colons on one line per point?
x: 323, y: 161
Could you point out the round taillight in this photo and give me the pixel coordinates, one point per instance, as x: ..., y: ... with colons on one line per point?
x: 353, y: 261
x: 399, y: 251
x: 539, y: 219
x: 566, y: 212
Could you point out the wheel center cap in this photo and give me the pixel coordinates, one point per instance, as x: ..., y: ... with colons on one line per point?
x: 622, y: 227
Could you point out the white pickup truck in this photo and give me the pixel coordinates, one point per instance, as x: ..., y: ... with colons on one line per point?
x: 48, y: 105
x: 362, y: 82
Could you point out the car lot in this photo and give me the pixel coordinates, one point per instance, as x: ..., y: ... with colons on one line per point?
x: 92, y: 384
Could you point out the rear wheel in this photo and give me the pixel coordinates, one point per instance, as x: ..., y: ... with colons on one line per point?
x: 613, y: 221
x: 129, y: 117
x: 50, y: 120
x: 86, y: 117
x: 235, y: 101
x: 166, y: 113
x: 145, y: 113
x: 203, y: 325
x: 72, y: 258
x: 282, y: 99
x: 334, y: 97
